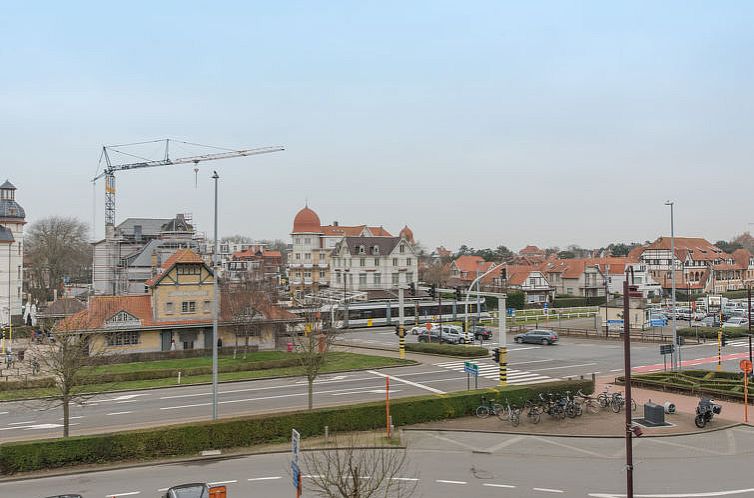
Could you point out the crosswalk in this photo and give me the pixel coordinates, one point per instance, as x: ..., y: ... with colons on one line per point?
x: 739, y: 344
x: 492, y: 372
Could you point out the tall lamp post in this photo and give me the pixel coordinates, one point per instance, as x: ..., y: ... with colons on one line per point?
x: 215, y: 307
x: 675, y: 355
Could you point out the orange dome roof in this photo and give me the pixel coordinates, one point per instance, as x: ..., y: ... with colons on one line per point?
x: 407, y: 234
x: 306, y: 221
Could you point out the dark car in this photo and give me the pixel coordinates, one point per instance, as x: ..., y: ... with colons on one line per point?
x: 543, y: 337
x: 481, y: 332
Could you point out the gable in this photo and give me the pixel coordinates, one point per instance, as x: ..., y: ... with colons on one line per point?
x: 122, y: 319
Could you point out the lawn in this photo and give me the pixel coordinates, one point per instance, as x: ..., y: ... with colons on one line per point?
x: 204, y: 361
x: 337, y: 362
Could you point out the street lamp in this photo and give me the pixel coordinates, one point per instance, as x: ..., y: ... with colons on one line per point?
x: 674, y: 355
x: 215, y: 306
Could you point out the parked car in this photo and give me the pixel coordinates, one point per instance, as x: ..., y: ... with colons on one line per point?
x: 481, y: 332
x: 539, y: 336
x: 453, y: 334
x: 710, y: 321
x: 417, y: 330
x: 446, y: 335
x: 736, y: 321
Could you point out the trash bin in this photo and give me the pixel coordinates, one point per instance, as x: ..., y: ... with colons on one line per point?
x: 653, y: 414
x: 290, y: 347
x: 669, y: 407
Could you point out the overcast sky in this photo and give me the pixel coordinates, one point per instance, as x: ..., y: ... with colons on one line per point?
x: 482, y: 123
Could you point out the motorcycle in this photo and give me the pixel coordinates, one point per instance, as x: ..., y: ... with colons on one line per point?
x: 705, y: 410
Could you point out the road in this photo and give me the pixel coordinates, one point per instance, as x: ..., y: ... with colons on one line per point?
x: 528, y: 364
x: 452, y: 464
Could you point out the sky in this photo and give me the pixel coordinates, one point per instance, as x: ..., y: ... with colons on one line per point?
x: 477, y: 123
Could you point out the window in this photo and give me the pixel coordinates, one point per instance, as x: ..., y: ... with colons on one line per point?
x: 307, y: 240
x: 321, y: 273
x: 408, y: 261
x: 126, y: 338
x: 402, y: 249
x: 188, y: 307
x: 362, y: 278
x: 362, y: 250
x: 189, y: 269
x: 377, y: 279
x: 409, y: 278
x: 337, y: 278
x: 168, y: 307
x: 19, y: 271
x: 532, y: 281
x: 375, y: 250
x: 207, y: 306
x: 396, y: 276
x: 376, y: 261
x: 395, y: 261
x: 362, y: 261
x: 308, y: 256
x: 298, y: 255
x: 307, y: 274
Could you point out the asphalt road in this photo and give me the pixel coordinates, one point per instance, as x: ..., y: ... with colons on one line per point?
x: 527, y: 364
x: 452, y: 464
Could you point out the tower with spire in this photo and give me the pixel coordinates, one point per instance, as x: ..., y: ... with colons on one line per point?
x: 12, y: 221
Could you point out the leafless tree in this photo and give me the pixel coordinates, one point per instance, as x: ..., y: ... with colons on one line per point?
x: 355, y: 470
x: 242, y: 303
x: 57, y: 247
x: 313, y: 344
x: 64, y: 358
x: 436, y: 272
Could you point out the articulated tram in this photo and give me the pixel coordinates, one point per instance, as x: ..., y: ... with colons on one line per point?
x: 365, y: 314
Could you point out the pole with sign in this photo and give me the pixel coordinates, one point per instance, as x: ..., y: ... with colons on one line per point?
x: 387, y: 406
x: 295, y: 470
x: 471, y: 369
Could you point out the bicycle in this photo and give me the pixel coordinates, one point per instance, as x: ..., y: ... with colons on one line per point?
x: 555, y: 409
x: 533, y: 412
x: 572, y: 409
x: 591, y: 403
x: 487, y: 407
x: 510, y: 413
x: 618, y: 402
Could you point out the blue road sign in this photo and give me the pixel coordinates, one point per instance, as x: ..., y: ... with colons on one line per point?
x: 511, y: 311
x: 296, y: 472
x: 470, y: 368
x: 658, y: 322
x: 615, y: 322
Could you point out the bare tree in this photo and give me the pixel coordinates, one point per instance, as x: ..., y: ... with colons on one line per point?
x: 313, y: 346
x: 436, y: 272
x: 57, y: 248
x: 356, y: 470
x: 241, y: 301
x: 64, y: 358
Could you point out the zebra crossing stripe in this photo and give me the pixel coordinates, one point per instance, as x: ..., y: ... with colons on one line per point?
x: 492, y: 372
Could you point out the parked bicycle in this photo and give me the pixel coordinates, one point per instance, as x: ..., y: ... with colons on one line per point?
x: 552, y: 407
x: 618, y: 402
x: 511, y: 413
x: 488, y: 407
x: 590, y: 402
x: 533, y: 411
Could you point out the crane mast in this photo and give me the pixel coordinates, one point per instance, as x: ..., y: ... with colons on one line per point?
x: 110, y: 169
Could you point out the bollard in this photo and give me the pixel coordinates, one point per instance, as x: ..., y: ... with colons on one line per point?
x: 327, y: 433
x: 179, y: 377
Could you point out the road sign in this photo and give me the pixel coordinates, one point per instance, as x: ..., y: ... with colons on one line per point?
x: 470, y: 368
x: 745, y: 366
x: 295, y: 473
x: 657, y: 322
x: 511, y: 311
x: 615, y: 322
x: 295, y: 442
x: 666, y: 348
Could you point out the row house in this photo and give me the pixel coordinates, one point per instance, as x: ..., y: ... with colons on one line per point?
x: 465, y: 269
x: 309, y: 258
x: 524, y: 278
x: 254, y: 264
x: 374, y: 264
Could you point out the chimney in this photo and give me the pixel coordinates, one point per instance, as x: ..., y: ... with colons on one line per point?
x: 334, y: 223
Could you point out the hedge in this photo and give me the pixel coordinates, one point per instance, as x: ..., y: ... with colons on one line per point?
x: 178, y: 440
x: 711, y: 332
x: 447, y: 349
x: 110, y: 359
x: 576, y: 302
x: 718, y: 384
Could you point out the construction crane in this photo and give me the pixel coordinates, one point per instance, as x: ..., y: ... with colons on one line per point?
x: 110, y: 168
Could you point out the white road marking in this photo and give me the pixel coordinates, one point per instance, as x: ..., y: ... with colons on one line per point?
x: 130, y: 493
x: 72, y: 418
x: 404, y: 479
x: 617, y: 370
x: 677, y: 495
x: 408, y: 382
x: 524, y: 349
x: 118, y: 413
x: 491, y: 485
x: 442, y: 481
x: 220, y: 483
x: 22, y: 423
x: 123, y: 397
x: 372, y: 391
x: 492, y: 371
x: 264, y: 478
x: 566, y: 366
x: 3, y: 413
x: 548, y: 490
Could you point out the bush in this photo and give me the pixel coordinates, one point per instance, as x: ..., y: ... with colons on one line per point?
x: 721, y: 384
x: 263, y: 429
x: 574, y: 302
x: 515, y: 299
x: 711, y: 332
x: 447, y: 349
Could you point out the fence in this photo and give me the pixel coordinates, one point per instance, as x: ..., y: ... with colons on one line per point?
x: 636, y: 335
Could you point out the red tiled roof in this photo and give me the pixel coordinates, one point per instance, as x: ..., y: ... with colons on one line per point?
x: 698, y: 248
x: 353, y: 231
x: 742, y: 258
x: 531, y: 250
x: 179, y: 256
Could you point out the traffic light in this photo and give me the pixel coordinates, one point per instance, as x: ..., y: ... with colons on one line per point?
x: 723, y: 340
x: 397, y: 329
x: 458, y: 293
x: 496, y: 355
x: 432, y: 289
x: 412, y: 289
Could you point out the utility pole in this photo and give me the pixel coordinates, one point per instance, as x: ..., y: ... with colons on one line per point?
x: 674, y: 356
x: 627, y: 376
x: 215, y: 307
x: 749, y: 299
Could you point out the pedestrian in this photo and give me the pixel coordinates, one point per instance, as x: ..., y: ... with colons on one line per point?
x: 172, y: 344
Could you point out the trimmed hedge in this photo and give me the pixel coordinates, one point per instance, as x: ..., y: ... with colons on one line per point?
x: 110, y: 359
x: 191, y: 439
x: 447, y: 349
x: 711, y: 332
x: 575, y: 302
x: 719, y: 384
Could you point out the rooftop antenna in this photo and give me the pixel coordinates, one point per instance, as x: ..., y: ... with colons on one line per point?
x: 196, y: 177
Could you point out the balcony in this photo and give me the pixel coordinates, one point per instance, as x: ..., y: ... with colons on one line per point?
x: 322, y: 265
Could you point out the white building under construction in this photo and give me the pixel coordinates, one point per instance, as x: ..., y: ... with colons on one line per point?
x: 134, y: 250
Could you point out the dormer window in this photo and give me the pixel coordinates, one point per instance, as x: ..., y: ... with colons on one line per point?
x: 362, y: 250
x: 402, y: 249
x: 376, y: 250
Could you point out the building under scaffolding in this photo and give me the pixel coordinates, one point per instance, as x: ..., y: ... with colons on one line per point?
x: 134, y: 250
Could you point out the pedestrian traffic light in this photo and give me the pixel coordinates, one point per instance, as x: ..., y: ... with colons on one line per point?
x: 412, y: 289
x: 432, y: 289
x: 458, y: 293
x: 496, y: 355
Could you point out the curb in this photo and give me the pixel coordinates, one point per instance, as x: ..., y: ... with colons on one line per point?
x: 413, y: 363
x: 586, y: 436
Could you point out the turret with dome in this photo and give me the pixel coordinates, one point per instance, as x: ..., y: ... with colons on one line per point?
x: 306, y: 221
x: 12, y: 221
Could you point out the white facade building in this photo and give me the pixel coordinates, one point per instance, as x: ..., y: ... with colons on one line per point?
x: 12, y: 221
x: 373, y: 263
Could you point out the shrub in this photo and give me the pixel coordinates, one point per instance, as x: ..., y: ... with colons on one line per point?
x: 262, y: 429
x: 573, y: 302
x: 447, y: 349
x: 711, y: 332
